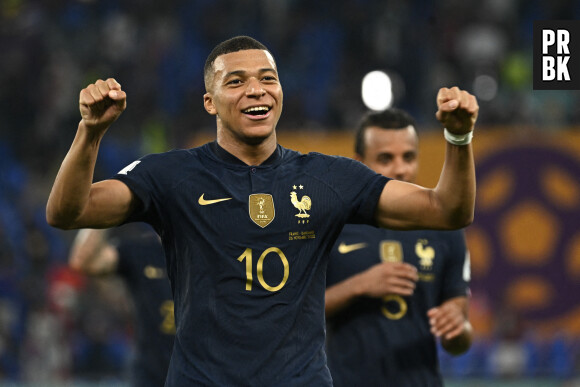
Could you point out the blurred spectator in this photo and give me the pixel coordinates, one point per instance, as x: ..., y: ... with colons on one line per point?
x: 509, y: 357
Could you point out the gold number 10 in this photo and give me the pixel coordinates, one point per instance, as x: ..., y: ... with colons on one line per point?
x: 247, y: 255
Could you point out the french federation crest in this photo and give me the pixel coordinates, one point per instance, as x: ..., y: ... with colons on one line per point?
x: 261, y: 209
x: 391, y: 251
x: 303, y: 205
x: 425, y: 253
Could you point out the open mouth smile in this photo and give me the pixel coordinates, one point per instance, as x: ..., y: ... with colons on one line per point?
x: 257, y: 111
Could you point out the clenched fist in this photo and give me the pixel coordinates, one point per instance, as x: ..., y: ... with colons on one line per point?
x: 101, y: 103
x: 457, y: 110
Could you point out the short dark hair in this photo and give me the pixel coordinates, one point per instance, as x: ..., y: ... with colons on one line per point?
x: 392, y: 118
x: 237, y: 43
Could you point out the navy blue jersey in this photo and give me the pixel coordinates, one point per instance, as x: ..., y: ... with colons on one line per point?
x: 142, y: 266
x: 247, y: 250
x: 387, y: 342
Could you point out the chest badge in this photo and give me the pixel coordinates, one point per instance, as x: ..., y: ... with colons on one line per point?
x: 391, y: 251
x: 425, y: 253
x: 261, y: 209
x: 303, y: 205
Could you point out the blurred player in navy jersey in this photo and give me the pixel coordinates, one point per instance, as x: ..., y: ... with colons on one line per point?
x: 390, y: 294
x: 247, y: 224
x: 140, y: 261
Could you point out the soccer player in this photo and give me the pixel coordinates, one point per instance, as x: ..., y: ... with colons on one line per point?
x: 390, y: 294
x: 247, y: 224
x: 140, y: 261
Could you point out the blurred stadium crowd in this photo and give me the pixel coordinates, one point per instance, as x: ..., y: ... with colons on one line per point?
x: 56, y: 325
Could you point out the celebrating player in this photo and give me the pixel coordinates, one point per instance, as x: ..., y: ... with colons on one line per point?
x: 247, y: 224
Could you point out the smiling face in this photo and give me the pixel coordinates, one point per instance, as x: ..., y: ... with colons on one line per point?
x: 245, y: 95
x: 391, y: 152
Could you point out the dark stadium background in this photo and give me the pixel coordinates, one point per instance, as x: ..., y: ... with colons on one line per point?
x: 59, y: 328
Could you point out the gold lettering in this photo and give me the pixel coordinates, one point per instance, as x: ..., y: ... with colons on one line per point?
x: 426, y: 277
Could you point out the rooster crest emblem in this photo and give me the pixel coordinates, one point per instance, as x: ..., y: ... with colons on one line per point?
x: 302, y: 205
x: 425, y: 253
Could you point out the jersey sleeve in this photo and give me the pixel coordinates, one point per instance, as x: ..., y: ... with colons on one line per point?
x: 358, y: 187
x: 149, y: 178
x: 458, y: 270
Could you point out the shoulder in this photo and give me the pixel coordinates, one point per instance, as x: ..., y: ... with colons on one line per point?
x: 172, y: 156
x: 165, y: 162
x: 323, y: 161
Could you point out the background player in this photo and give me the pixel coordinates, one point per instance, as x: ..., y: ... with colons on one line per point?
x: 247, y: 264
x: 139, y: 260
x: 391, y: 293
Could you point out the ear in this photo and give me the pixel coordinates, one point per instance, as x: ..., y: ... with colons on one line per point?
x: 208, y: 104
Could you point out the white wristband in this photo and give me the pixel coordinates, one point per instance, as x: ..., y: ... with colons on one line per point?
x: 457, y: 139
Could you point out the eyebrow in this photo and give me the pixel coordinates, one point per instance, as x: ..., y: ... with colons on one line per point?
x: 243, y: 72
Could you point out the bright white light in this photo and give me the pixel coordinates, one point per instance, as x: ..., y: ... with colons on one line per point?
x: 377, y: 92
x: 485, y: 87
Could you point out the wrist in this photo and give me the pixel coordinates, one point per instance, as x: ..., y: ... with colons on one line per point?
x: 457, y: 139
x: 358, y: 286
x: 89, y: 133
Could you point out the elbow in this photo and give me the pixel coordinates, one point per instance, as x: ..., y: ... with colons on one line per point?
x: 461, y: 217
x: 58, y: 221
x: 466, y: 220
x: 453, y: 214
x: 54, y: 222
x: 459, y: 220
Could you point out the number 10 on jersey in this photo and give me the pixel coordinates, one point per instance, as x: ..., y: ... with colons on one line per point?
x: 247, y: 255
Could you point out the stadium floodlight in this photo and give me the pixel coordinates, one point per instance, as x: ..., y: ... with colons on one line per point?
x: 485, y: 87
x: 377, y: 90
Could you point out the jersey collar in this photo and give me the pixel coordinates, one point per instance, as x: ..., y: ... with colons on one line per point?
x: 227, y: 157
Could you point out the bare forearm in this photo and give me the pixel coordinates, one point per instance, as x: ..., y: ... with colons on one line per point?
x: 70, y: 192
x: 455, y: 191
x: 450, y: 205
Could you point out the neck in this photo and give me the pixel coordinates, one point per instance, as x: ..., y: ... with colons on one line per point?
x: 249, y: 152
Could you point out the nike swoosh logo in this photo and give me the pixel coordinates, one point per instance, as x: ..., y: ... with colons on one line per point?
x: 343, y: 248
x: 205, y: 202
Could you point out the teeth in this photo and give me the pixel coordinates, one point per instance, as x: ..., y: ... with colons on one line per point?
x: 257, y: 109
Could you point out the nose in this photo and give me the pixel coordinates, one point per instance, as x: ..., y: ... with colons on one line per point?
x: 254, y: 88
x: 400, y: 169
